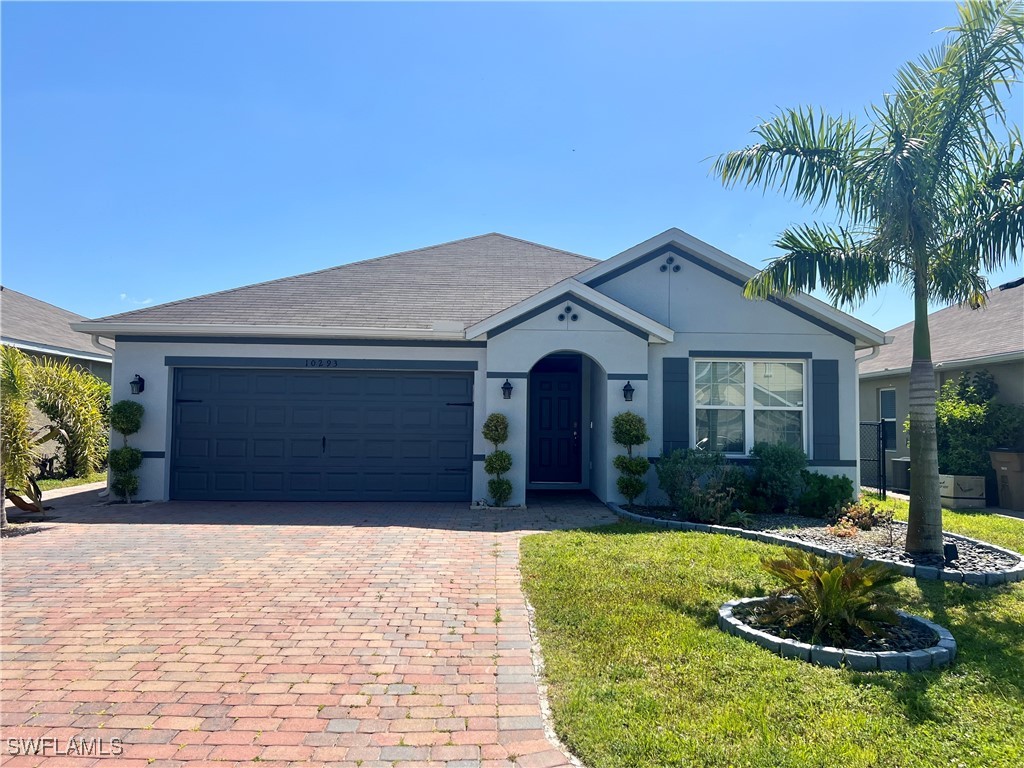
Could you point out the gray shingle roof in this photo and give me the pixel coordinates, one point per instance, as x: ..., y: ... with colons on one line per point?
x: 463, y: 281
x: 961, y: 333
x: 34, y: 322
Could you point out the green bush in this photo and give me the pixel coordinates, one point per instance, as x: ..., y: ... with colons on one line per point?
x: 125, y: 460
x: 680, y: 473
x: 824, y: 495
x: 832, y: 598
x: 630, y: 430
x: 500, y: 489
x: 969, y: 425
x: 777, y: 480
x: 77, y: 403
x: 125, y: 485
x: 498, y: 462
x: 126, y: 417
x: 495, y: 429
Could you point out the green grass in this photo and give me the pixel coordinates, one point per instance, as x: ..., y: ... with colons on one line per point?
x: 640, y: 676
x: 71, y: 482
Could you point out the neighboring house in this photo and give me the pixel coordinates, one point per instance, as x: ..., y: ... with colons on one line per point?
x: 371, y: 380
x: 963, y: 339
x: 44, y: 331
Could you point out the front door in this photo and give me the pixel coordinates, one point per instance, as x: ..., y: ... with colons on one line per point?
x: 555, y: 421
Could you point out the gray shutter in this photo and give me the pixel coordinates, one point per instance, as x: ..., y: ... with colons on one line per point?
x: 825, y: 409
x: 675, y: 399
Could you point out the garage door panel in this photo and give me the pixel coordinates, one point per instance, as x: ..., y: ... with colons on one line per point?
x: 323, y: 435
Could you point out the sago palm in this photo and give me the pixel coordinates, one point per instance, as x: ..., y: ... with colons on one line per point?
x: 928, y: 192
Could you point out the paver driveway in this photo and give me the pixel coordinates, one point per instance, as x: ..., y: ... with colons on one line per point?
x: 344, y: 634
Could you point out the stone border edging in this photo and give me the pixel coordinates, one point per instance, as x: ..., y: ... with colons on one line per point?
x: 938, y: 655
x: 985, y: 578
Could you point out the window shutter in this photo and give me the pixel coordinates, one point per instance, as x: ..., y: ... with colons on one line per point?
x: 825, y: 409
x: 675, y: 400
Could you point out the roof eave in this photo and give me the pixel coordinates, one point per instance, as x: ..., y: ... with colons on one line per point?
x: 1004, y: 357
x: 48, y: 349
x: 442, y: 330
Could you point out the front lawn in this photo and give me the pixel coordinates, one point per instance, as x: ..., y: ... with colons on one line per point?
x: 640, y: 676
x: 71, y: 482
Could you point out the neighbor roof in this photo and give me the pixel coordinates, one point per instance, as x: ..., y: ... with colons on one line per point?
x: 961, y: 334
x: 456, y: 284
x: 34, y: 325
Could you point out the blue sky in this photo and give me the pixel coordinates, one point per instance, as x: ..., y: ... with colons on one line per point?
x: 157, y: 151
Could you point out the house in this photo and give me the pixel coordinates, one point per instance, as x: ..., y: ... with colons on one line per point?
x: 44, y: 331
x: 963, y: 339
x: 371, y: 380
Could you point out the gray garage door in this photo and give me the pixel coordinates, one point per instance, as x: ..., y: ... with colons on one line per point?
x: 321, y: 435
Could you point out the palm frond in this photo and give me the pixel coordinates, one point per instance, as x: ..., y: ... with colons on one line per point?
x: 816, y: 256
x: 804, y: 153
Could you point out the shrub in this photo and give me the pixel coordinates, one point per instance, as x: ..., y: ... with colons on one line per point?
x: 76, y: 402
x: 777, y: 480
x: 832, y: 597
x: 125, y: 460
x: 680, y: 473
x: 498, y: 462
x: 968, y: 425
x: 126, y: 417
x: 824, y: 495
x: 866, y: 515
x: 630, y: 430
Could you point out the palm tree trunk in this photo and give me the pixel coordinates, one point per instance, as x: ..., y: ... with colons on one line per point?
x: 3, y: 505
x: 924, y: 531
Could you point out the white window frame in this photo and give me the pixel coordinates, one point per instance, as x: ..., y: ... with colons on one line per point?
x: 895, y: 434
x: 749, y: 406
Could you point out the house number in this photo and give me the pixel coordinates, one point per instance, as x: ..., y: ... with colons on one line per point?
x: 321, y: 363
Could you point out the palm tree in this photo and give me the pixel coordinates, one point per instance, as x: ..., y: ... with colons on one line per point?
x: 925, y: 192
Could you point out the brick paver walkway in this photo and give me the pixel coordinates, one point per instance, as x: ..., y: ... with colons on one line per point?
x: 339, y: 634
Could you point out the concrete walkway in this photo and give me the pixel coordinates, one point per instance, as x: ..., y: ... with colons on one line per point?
x: 364, y: 635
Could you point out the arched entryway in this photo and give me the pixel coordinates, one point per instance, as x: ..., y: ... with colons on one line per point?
x: 563, y: 422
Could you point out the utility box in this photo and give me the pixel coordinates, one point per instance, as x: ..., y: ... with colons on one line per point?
x: 1009, y: 467
x: 962, y: 491
x: 900, y: 475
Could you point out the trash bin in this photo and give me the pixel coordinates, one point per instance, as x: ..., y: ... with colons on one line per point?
x: 900, y: 474
x: 1009, y: 467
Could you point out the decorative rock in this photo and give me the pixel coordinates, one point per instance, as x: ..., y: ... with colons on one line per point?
x: 861, y: 661
x: 826, y: 656
x: 919, y: 660
x: 892, y: 661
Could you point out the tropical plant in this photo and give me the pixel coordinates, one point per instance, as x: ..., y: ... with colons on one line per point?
x: 75, y: 401
x: 19, y: 443
x: 630, y: 431
x: 832, y: 597
x: 126, y: 418
x: 498, y: 462
x: 926, y: 194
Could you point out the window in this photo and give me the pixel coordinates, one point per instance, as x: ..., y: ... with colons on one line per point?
x: 887, y: 415
x: 740, y: 403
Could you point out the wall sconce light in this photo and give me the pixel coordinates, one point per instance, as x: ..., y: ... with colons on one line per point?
x: 627, y: 392
x: 138, y: 384
x: 506, y: 390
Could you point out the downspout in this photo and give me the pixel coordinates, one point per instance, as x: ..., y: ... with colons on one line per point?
x: 873, y: 354
x: 96, y: 343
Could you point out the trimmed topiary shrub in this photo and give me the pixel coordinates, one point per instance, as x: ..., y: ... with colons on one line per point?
x: 498, y: 462
x: 126, y: 418
x: 824, y: 496
x: 630, y: 430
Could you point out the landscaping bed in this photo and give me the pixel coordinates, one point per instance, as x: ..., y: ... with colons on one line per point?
x: 640, y: 674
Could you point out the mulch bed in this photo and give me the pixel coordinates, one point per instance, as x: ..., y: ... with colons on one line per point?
x: 906, y: 636
x: 972, y: 557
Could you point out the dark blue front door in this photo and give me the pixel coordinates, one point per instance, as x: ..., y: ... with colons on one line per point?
x: 555, y: 422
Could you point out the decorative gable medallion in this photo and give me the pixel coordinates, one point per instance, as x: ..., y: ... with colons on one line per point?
x: 670, y: 264
x: 568, y: 312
